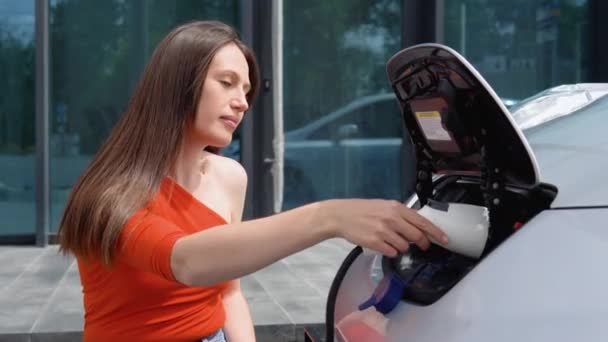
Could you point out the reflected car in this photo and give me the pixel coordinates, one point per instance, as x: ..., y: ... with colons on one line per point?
x: 539, y: 170
x: 355, y: 151
x: 351, y: 152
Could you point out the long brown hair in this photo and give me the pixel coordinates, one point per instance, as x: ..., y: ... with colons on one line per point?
x: 127, y: 170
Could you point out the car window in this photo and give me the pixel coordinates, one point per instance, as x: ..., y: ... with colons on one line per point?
x: 376, y: 120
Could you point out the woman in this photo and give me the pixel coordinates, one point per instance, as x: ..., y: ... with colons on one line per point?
x: 155, y: 220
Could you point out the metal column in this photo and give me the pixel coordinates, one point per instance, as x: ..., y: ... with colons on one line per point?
x: 419, y: 21
x: 42, y: 123
x: 598, y: 70
x: 258, y: 125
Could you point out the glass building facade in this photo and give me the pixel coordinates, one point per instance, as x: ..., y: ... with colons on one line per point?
x: 522, y: 46
x: 341, y: 131
x: 17, y: 118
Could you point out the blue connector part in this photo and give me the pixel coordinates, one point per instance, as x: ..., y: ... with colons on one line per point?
x: 390, y: 289
x: 387, y: 294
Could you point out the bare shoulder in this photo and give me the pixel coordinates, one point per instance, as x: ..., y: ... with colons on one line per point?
x: 231, y: 178
x: 228, y: 171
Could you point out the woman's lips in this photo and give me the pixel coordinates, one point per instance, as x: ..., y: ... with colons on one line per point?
x: 229, y: 120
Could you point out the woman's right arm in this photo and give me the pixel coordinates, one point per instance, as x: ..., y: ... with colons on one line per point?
x: 235, y: 250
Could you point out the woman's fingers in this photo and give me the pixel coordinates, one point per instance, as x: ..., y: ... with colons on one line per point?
x: 396, y: 240
x: 385, y: 226
x: 420, y: 223
x: 418, y: 237
x: 384, y: 248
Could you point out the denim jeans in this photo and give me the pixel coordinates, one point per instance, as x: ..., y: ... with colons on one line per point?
x: 216, y: 337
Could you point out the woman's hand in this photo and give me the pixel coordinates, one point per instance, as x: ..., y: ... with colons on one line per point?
x: 386, y: 226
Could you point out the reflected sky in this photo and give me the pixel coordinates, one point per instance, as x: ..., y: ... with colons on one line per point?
x: 17, y: 18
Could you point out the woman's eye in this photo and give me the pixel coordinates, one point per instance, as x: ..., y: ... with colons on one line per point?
x: 225, y: 83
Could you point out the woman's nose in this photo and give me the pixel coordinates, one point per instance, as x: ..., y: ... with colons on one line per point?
x: 240, y: 102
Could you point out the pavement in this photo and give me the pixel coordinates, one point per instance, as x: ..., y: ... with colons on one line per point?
x: 41, y: 294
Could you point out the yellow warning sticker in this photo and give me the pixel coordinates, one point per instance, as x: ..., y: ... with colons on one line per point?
x: 432, y: 126
x: 431, y: 114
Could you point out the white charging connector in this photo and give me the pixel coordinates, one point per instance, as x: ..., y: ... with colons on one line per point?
x: 466, y: 226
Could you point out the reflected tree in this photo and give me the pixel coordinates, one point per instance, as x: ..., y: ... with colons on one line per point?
x: 334, y: 52
x: 17, y: 104
x: 521, y: 46
x: 99, y: 49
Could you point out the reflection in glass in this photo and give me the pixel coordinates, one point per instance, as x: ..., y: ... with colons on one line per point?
x: 521, y: 46
x: 17, y: 118
x: 99, y: 49
x: 343, y: 126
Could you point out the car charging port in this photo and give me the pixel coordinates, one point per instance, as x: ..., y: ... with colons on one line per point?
x: 433, y: 272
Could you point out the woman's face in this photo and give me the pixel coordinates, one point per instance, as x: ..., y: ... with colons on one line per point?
x: 223, y: 100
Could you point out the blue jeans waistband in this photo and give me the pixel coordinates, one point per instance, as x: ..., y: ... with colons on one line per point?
x: 218, y: 336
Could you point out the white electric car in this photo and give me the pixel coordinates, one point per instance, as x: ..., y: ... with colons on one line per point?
x: 539, y: 169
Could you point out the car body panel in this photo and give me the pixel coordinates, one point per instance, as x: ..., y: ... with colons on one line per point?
x: 573, y: 155
x: 543, y: 284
